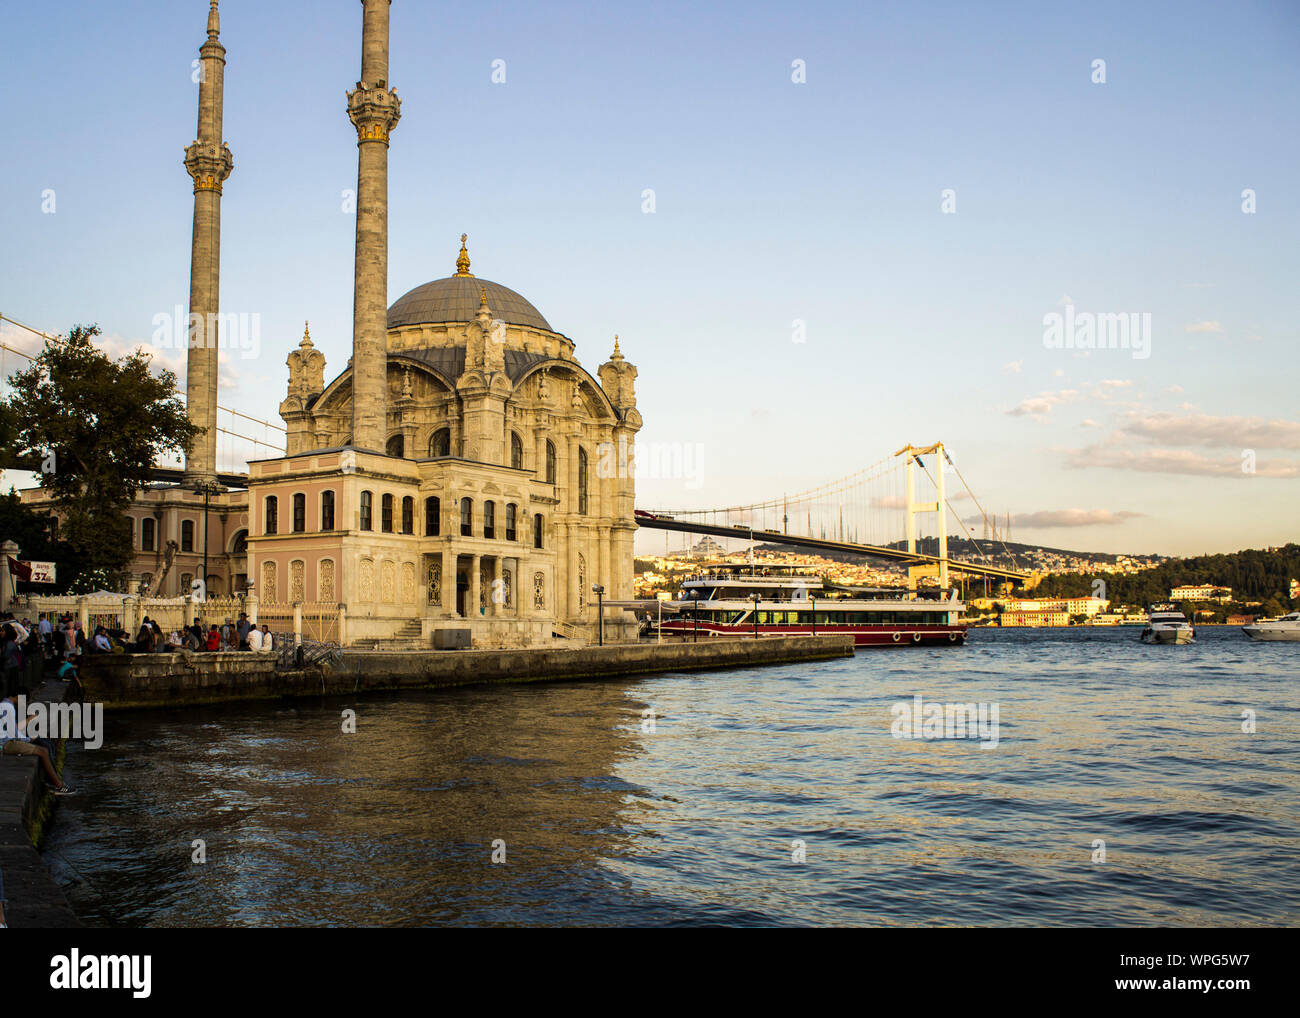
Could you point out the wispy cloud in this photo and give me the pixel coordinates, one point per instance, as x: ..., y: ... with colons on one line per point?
x: 1050, y: 518
x: 1176, y: 461
x: 1207, y: 431
x: 1203, y: 327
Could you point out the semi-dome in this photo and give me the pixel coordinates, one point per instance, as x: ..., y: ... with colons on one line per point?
x: 456, y: 299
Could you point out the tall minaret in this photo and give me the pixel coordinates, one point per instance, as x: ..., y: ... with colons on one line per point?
x: 374, y: 110
x: 209, y: 162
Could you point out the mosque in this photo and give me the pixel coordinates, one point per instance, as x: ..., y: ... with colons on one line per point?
x: 449, y: 476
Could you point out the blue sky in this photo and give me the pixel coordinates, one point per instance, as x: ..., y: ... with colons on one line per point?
x: 774, y: 202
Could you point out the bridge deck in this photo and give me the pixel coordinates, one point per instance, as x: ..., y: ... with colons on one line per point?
x: 821, y: 544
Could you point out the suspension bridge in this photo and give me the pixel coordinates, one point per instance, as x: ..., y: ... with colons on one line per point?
x: 860, y: 515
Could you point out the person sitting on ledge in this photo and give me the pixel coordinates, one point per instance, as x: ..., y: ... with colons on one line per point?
x: 254, y: 639
x: 213, y: 641
x: 102, y: 644
x: 268, y: 641
x: 14, y: 743
x: 197, y: 631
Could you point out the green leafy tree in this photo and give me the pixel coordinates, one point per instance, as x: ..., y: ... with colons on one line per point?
x: 96, y: 426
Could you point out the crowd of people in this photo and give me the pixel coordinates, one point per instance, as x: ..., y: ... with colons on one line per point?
x: 64, y: 639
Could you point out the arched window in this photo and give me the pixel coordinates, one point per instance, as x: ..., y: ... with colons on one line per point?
x: 550, y: 462
x: 510, y: 522
x: 489, y: 519
x: 187, y: 535
x: 367, y: 504
x: 299, y: 513
x: 440, y: 443
x: 408, y: 515
x: 396, y: 446
x: 327, y: 510
x: 272, y: 513
x: 386, y: 514
x: 537, y: 530
x: 582, y: 480
x: 516, y: 451
x: 432, y: 517
x: 147, y: 529
x: 466, y: 517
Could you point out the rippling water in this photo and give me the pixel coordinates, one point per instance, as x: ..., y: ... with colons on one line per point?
x: 1100, y: 737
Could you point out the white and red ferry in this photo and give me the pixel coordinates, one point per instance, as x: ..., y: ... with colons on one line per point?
x: 739, y: 600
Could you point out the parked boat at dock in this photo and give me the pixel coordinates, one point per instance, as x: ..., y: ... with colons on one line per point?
x: 731, y: 600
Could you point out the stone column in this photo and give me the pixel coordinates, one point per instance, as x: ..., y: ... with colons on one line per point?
x: 209, y: 162
x: 374, y: 110
x: 472, y: 596
x: 250, y: 605
x: 498, y: 602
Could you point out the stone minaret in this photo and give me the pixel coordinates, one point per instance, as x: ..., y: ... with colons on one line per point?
x: 374, y: 110
x: 209, y: 162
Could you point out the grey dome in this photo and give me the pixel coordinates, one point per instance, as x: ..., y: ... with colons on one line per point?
x: 456, y: 299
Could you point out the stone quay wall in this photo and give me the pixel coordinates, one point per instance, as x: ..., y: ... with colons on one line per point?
x: 172, y: 680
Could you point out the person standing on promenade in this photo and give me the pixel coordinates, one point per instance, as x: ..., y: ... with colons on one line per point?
x: 243, y: 628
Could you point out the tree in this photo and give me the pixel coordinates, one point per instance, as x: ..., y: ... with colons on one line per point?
x: 96, y: 425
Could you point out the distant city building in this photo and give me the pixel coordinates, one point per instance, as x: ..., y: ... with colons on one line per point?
x: 707, y: 546
x: 1201, y: 593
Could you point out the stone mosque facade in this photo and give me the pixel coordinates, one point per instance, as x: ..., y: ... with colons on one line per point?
x: 501, y: 495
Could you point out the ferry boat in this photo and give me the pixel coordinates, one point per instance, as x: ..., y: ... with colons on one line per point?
x: 1286, y: 628
x: 1168, y: 626
x: 791, y: 600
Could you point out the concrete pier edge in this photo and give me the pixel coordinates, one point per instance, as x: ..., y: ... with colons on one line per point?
x: 26, y: 805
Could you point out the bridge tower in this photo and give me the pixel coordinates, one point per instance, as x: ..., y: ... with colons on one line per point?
x: 938, y: 506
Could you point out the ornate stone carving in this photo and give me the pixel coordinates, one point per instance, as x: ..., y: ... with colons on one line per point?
x: 325, y: 585
x: 297, y: 581
x: 270, y: 590
x: 367, y: 584
x: 408, y: 582
x: 539, y: 590
x: 388, y: 582
x: 582, y: 581
x: 374, y: 112
x: 507, y: 578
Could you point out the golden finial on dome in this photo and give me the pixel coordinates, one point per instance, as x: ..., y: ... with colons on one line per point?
x: 616, y: 355
x: 462, y: 260
x: 306, y: 334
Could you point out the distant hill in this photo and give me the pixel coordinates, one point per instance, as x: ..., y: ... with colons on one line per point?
x: 1254, y: 574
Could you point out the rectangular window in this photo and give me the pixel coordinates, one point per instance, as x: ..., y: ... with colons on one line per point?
x: 327, y: 510
x: 299, y: 513
x: 366, y: 509
x: 386, y: 513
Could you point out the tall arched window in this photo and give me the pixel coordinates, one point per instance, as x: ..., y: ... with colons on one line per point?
x: 550, y: 462
x: 537, y: 530
x: 516, y: 451
x: 582, y: 480
x: 432, y: 516
x: 386, y: 514
x: 147, y: 530
x: 489, y: 519
x: 272, y: 513
x: 440, y: 442
x: 367, y: 505
x: 396, y: 446
x: 466, y: 517
x: 299, y: 513
x: 327, y: 510
x: 187, y: 535
x: 510, y: 522
x: 408, y: 515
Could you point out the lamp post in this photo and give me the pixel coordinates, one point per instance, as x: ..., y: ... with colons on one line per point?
x: 813, y: 599
x: 755, y: 597
x: 599, y: 591
x: 207, y: 489
x: 695, y: 622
